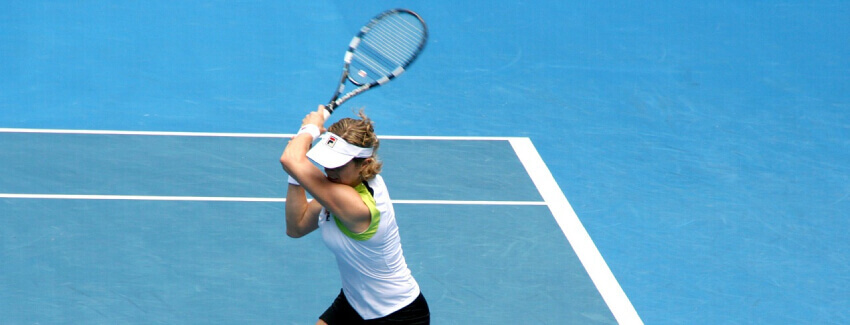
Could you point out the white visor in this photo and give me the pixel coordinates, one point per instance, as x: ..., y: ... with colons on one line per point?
x: 332, y: 151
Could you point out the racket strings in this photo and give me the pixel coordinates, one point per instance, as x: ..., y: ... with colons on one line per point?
x: 398, y: 37
x: 371, y: 60
x: 391, y: 43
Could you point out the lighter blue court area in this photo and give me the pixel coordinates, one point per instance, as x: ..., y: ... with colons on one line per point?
x: 704, y: 149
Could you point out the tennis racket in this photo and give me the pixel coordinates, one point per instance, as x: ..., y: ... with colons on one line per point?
x: 381, y: 51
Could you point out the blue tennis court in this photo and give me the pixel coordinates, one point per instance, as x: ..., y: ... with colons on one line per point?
x: 553, y: 162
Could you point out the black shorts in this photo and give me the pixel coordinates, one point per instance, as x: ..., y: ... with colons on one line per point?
x: 341, y: 312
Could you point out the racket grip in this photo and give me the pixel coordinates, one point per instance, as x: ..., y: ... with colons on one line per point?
x: 329, y: 108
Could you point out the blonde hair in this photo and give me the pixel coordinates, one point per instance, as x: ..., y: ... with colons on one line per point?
x: 361, y: 133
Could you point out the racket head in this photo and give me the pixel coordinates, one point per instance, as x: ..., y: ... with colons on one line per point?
x: 385, y: 47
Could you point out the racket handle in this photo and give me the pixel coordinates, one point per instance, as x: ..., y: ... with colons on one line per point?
x: 329, y: 108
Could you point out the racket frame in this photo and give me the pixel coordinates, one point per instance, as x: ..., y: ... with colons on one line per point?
x: 337, y: 100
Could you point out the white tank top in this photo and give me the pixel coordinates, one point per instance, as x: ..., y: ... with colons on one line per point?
x: 375, y: 277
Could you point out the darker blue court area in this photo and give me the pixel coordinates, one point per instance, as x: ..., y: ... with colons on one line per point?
x: 166, y: 259
x: 201, y: 262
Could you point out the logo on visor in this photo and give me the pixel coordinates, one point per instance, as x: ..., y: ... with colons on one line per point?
x: 331, y: 141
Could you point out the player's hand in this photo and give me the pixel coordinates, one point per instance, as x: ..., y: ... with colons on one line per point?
x: 316, y: 118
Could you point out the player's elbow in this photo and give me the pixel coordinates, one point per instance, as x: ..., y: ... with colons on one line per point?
x: 290, y: 162
x: 293, y: 233
x: 285, y: 161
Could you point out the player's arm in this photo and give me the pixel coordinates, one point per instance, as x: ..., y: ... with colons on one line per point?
x: 342, y: 200
x: 302, y: 216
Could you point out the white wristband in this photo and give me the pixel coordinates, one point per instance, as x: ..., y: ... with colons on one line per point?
x: 311, y: 129
x: 293, y: 181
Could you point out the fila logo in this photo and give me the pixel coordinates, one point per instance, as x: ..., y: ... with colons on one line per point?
x: 331, y: 141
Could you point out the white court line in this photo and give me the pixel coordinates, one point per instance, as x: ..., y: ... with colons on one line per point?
x: 234, y: 199
x: 451, y: 202
x: 235, y: 135
x: 578, y: 237
x: 136, y: 197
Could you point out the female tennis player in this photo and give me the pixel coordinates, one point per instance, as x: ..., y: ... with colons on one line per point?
x: 352, y: 208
